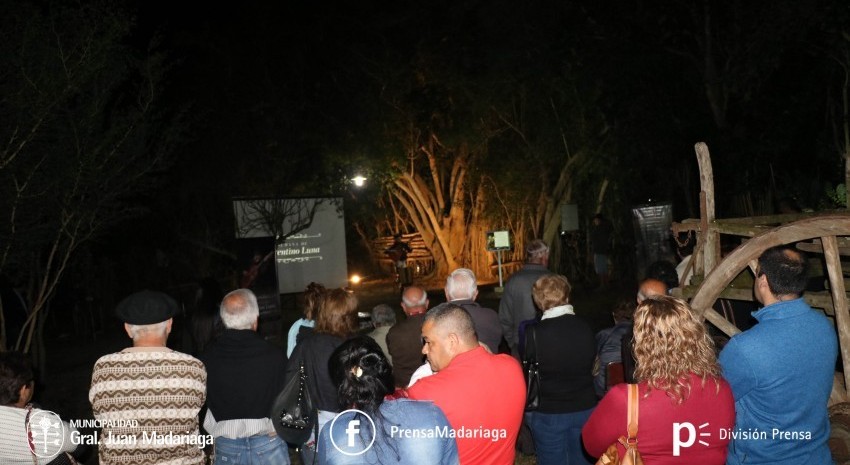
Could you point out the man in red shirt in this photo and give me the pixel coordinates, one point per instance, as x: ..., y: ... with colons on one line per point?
x: 482, y: 395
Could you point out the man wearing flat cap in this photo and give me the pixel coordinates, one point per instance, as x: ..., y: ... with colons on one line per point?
x: 147, y: 397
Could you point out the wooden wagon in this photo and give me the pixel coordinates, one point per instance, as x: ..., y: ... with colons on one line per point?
x: 824, y: 234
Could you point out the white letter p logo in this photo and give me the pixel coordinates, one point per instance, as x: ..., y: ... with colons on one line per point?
x: 677, y: 436
x: 692, y: 436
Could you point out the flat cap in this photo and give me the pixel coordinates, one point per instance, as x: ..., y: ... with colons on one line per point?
x: 146, y: 308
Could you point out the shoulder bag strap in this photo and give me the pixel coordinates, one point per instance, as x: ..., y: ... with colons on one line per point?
x: 634, y: 401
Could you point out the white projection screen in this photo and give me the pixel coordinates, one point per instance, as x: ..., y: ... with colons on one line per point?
x: 313, y: 238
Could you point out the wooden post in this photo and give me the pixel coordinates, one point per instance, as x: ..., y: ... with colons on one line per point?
x: 839, y: 301
x: 711, y: 250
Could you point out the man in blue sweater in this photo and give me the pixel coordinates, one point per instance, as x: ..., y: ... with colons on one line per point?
x: 781, y: 371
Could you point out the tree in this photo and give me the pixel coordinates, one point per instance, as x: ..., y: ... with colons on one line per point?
x: 78, y: 109
x: 483, y: 128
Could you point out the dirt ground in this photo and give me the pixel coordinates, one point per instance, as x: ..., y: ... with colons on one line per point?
x: 64, y: 387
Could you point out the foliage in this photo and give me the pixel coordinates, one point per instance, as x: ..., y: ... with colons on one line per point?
x: 835, y: 197
x: 78, y: 116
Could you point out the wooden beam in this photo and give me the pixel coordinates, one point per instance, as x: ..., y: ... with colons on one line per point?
x: 821, y: 300
x: 721, y: 322
x: 839, y: 298
x: 742, y: 225
x: 738, y: 229
x: 816, y: 246
x: 711, y: 250
x: 773, y: 219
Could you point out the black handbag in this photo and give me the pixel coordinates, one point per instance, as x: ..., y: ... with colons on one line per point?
x: 293, y: 413
x: 532, y: 370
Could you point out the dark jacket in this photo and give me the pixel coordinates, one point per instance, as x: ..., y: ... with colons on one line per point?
x: 609, y: 349
x: 315, y: 352
x: 244, y: 375
x: 404, y: 341
x: 486, y: 322
x: 566, y: 349
x: 516, y: 304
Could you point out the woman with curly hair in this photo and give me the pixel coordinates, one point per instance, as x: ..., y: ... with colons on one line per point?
x: 396, y: 431
x: 686, y: 410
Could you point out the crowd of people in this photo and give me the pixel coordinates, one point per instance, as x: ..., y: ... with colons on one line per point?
x: 433, y: 388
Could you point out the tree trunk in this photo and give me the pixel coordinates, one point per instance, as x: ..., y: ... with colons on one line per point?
x: 441, y: 208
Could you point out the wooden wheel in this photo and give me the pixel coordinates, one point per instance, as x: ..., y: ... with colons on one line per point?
x: 825, y: 228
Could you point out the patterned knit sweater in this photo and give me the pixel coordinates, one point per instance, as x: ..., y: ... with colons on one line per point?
x: 147, y: 399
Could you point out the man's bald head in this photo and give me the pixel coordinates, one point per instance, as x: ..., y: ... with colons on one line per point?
x: 649, y: 288
x: 414, y: 300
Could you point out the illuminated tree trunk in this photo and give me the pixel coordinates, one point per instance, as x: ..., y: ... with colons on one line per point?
x: 442, y: 209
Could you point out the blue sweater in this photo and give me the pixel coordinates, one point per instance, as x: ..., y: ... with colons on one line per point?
x: 781, y: 374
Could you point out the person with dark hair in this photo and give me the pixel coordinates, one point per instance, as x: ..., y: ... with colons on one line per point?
x: 19, y: 420
x: 336, y: 322
x: 313, y: 296
x: 609, y: 344
x: 565, y: 350
x: 397, y: 252
x: 478, y: 391
x: 516, y: 304
x: 400, y: 428
x: 781, y: 369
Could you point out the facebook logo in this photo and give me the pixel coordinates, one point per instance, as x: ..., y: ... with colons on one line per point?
x: 350, y: 434
x: 352, y: 430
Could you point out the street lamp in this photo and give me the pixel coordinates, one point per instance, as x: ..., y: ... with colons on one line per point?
x: 358, y: 180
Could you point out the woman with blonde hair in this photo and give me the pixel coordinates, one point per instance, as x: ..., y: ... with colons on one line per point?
x: 563, y: 346
x: 336, y: 321
x: 680, y: 391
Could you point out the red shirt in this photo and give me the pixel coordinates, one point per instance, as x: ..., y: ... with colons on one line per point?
x: 483, y: 396
x: 706, y: 410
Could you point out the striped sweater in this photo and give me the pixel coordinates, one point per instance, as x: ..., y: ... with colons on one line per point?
x: 148, y: 399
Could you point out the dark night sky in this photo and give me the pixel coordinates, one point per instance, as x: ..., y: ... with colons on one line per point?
x: 291, y: 68
x: 286, y: 98
x: 285, y: 87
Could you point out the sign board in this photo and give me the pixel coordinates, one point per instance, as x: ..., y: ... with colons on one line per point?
x: 309, y: 238
x: 652, y: 234
x: 498, y: 240
x: 569, y: 217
